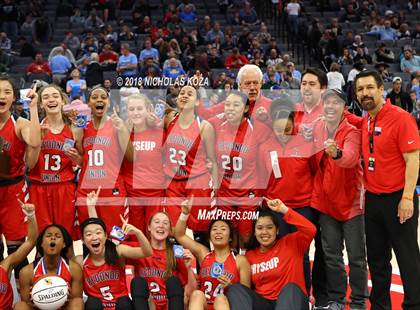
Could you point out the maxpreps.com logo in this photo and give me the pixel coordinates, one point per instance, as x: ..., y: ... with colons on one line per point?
x: 219, y: 214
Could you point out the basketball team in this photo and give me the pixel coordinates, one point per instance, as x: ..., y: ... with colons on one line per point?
x: 255, y: 179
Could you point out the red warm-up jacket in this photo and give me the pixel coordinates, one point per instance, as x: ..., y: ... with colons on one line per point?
x: 338, y: 189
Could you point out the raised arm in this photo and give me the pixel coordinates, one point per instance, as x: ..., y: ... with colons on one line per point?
x: 123, y: 136
x: 23, y: 251
x: 126, y: 251
x: 209, y: 139
x: 198, y: 250
x: 305, y: 229
x: 91, y: 200
x: 30, y: 131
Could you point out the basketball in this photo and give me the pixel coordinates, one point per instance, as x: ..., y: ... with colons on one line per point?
x: 50, y: 293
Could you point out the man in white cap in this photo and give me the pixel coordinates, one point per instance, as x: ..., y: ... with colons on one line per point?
x: 398, y: 96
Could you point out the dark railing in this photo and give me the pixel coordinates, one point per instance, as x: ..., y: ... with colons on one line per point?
x: 271, y: 14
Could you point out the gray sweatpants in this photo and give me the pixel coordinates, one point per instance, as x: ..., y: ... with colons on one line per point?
x: 291, y: 297
x: 334, y: 235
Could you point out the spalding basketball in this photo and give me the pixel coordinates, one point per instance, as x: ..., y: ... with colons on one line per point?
x: 50, y: 293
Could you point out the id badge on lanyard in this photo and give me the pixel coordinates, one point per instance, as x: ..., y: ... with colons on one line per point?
x: 371, y: 133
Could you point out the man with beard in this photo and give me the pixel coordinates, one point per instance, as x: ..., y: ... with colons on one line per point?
x: 390, y: 150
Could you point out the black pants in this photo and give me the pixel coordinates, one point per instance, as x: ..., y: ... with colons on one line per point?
x: 319, y: 276
x: 174, y: 292
x: 123, y: 303
x: 384, y: 233
x: 291, y: 297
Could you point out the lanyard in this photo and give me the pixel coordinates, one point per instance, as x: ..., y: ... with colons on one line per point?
x: 371, y: 134
x: 45, y: 270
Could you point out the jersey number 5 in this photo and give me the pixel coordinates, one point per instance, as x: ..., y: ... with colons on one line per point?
x: 106, y: 294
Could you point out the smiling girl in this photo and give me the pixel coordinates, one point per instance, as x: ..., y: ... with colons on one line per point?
x: 237, y: 140
x: 52, y: 188
x: 103, y: 143
x: 276, y: 263
x: 219, y: 268
x: 143, y: 178
x: 104, y: 266
x: 189, y: 144
x: 19, y: 146
x: 169, y: 276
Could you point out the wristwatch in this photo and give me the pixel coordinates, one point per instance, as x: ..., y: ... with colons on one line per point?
x: 339, y: 154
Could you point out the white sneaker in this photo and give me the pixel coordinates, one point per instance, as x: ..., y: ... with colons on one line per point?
x: 336, y: 306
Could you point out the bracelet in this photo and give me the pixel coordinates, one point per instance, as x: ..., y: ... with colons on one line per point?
x: 407, y: 198
x: 183, y: 217
x: 29, y: 215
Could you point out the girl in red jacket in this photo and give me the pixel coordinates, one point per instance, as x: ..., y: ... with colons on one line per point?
x: 276, y: 263
x: 338, y: 196
x: 285, y: 169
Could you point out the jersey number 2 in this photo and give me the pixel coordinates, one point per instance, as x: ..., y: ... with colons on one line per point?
x: 154, y: 287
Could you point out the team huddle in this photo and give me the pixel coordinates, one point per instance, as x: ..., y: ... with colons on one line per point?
x: 253, y: 178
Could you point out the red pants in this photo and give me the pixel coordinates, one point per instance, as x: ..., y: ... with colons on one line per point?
x: 54, y: 204
x: 241, y: 216
x: 178, y: 191
x: 143, y: 204
x: 111, y: 204
x: 12, y: 219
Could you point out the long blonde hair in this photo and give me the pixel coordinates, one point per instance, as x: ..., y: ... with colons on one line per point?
x: 170, y: 256
x: 63, y: 96
x: 140, y: 97
x: 147, y: 102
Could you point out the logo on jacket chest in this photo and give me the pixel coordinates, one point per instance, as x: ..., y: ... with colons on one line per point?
x: 5, y: 145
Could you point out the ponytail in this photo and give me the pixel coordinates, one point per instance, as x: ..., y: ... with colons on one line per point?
x: 170, y: 259
x: 111, y: 254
